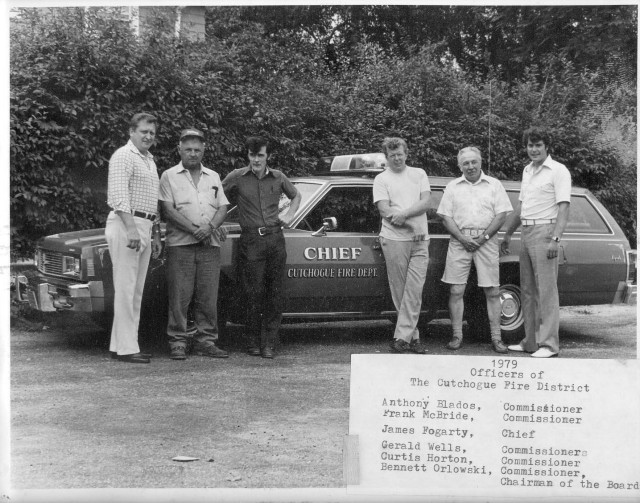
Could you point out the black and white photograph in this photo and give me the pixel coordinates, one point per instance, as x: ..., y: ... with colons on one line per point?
x: 319, y: 252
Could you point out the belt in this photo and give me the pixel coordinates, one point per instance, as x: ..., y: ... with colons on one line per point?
x: 539, y: 221
x: 262, y: 231
x: 142, y: 214
x: 472, y: 232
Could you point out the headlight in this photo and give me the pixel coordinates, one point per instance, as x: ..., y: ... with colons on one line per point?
x: 71, y: 266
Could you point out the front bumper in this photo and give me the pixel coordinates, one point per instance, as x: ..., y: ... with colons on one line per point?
x: 47, y: 296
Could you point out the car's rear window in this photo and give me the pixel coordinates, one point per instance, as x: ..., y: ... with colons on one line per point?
x: 583, y: 216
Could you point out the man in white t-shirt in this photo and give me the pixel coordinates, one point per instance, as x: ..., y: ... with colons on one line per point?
x: 401, y: 194
x: 543, y: 211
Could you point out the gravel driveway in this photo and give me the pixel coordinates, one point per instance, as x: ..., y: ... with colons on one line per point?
x: 80, y: 419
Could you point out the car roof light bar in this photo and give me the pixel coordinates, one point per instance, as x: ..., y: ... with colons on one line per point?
x: 359, y: 162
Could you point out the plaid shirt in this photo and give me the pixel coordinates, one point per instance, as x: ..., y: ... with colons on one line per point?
x: 133, y: 181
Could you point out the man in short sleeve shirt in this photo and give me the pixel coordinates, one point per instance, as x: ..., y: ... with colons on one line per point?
x: 132, y: 194
x: 543, y: 211
x: 262, y: 255
x: 194, y: 206
x: 401, y: 194
x: 473, y: 208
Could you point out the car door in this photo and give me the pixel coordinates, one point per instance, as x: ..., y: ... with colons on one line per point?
x: 592, y: 259
x: 342, y: 271
x: 436, y: 293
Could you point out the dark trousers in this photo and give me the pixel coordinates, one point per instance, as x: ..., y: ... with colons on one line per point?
x: 262, y: 261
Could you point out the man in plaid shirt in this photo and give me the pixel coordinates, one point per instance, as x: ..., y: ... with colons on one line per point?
x: 133, y: 197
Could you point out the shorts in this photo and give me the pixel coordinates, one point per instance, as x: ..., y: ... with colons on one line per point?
x: 486, y: 259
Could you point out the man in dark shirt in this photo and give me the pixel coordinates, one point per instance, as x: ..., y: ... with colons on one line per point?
x: 257, y: 189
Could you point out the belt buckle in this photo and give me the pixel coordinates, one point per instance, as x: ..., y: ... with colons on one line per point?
x: 262, y: 231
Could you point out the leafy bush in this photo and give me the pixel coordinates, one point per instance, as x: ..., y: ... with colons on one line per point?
x: 77, y: 76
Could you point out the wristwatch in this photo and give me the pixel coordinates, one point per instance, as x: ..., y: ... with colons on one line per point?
x: 487, y: 237
x: 555, y: 238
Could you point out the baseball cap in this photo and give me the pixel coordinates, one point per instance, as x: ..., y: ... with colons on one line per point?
x: 191, y: 132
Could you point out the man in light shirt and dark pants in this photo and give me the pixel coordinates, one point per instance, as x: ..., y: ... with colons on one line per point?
x: 194, y: 206
x: 543, y: 211
x: 473, y: 208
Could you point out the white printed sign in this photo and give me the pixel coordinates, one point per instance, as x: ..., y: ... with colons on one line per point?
x: 482, y: 426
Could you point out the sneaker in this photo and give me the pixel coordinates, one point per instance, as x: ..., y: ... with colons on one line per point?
x: 544, y: 353
x: 212, y: 352
x: 499, y: 346
x: 178, y: 353
x: 416, y: 346
x: 455, y: 344
x: 399, y: 346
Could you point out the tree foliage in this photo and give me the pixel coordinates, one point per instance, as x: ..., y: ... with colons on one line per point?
x: 318, y: 81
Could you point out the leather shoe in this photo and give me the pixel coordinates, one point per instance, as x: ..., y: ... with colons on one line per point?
x: 134, y: 358
x: 498, y: 346
x: 178, y: 353
x: 114, y: 355
x: 455, y: 343
x: 399, y: 346
x: 212, y: 352
x: 266, y: 353
x: 415, y: 346
x: 254, y: 351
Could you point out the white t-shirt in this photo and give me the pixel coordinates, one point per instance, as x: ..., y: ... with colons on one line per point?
x: 402, y: 190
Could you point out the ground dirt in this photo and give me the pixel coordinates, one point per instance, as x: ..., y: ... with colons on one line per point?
x: 82, y: 420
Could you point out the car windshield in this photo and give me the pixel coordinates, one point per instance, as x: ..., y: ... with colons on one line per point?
x: 306, y: 189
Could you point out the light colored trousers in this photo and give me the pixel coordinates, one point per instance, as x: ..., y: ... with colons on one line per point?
x: 129, y: 274
x: 539, y: 283
x: 407, y: 263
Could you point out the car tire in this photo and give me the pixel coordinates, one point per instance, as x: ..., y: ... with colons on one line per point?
x: 511, y: 315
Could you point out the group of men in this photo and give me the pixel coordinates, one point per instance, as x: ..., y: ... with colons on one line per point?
x: 193, y: 201
x: 473, y: 208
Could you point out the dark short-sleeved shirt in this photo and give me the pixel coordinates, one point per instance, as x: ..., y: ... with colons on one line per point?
x: 257, y: 199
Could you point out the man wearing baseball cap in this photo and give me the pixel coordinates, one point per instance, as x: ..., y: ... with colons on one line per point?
x: 194, y: 206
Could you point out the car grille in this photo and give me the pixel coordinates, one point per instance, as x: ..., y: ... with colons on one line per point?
x: 49, y: 262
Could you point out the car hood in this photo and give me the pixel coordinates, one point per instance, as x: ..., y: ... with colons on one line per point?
x: 77, y: 239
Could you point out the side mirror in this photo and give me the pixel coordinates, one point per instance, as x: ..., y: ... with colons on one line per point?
x: 328, y: 224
